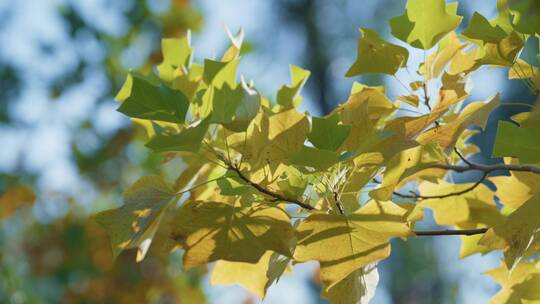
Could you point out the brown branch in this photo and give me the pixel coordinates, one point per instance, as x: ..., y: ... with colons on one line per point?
x: 450, y: 232
x: 275, y: 195
x: 418, y: 196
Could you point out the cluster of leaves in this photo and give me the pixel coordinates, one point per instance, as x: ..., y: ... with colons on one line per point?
x: 265, y: 185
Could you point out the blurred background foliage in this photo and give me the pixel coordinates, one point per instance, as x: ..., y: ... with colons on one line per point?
x: 67, y: 154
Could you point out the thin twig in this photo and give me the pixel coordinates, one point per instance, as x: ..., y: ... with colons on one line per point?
x: 450, y: 232
x: 418, y: 196
x: 276, y: 196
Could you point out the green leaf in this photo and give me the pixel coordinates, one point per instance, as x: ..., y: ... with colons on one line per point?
x: 425, y: 22
x: 288, y: 95
x: 376, y: 55
x: 343, y: 244
x: 481, y: 29
x: 313, y: 157
x: 188, y: 139
x: 217, y: 73
x: 211, y: 231
x: 326, y: 132
x: 526, y: 16
x: 235, y: 108
x: 503, y: 53
x: 232, y: 185
x: 514, y: 141
x: 141, y: 99
x: 134, y: 224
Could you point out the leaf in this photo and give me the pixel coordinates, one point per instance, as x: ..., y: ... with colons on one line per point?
x: 235, y: 108
x: 188, y: 139
x: 211, y: 231
x: 448, y: 48
x: 480, y: 28
x: 359, y: 287
x: 526, y: 15
x: 255, y: 277
x: 523, y: 143
x: 314, y: 158
x: 217, y: 73
x: 272, y: 138
x: 446, y: 136
x: 457, y: 209
x: 413, y: 100
x: 288, y: 95
x: 141, y: 99
x: 15, y: 197
x: 134, y: 224
x: 394, y: 170
x: 516, y: 189
x: 327, y: 133
x: 425, y: 22
x: 356, y: 240
x: 509, y: 279
x: 363, y: 110
x: 517, y: 233
x: 376, y: 55
x: 177, y: 53
x: 504, y: 53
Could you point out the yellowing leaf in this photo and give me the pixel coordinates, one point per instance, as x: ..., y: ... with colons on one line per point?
x: 517, y: 233
x: 516, y: 189
x: 255, y: 277
x: 288, y: 95
x: 363, y: 110
x: 211, y: 231
x: 15, y: 197
x: 376, y: 55
x: 359, y: 287
x: 134, y: 224
x: 272, y: 138
x: 509, y: 279
x: 456, y: 209
x: 443, y: 56
x: 356, y: 240
x: 503, y: 53
x: 476, y: 113
x: 176, y: 52
x: 413, y: 100
x: 425, y: 22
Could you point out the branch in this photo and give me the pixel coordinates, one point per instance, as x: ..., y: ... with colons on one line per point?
x: 275, y: 195
x: 450, y: 232
x: 418, y: 196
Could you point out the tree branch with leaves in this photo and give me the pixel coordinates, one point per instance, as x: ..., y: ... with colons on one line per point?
x: 264, y: 185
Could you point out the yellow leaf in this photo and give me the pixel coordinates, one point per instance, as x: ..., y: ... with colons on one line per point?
x: 356, y: 240
x: 455, y: 209
x: 358, y: 287
x: 476, y: 113
x: 516, y: 189
x: 211, y: 231
x: 255, y: 277
x: 517, y: 233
